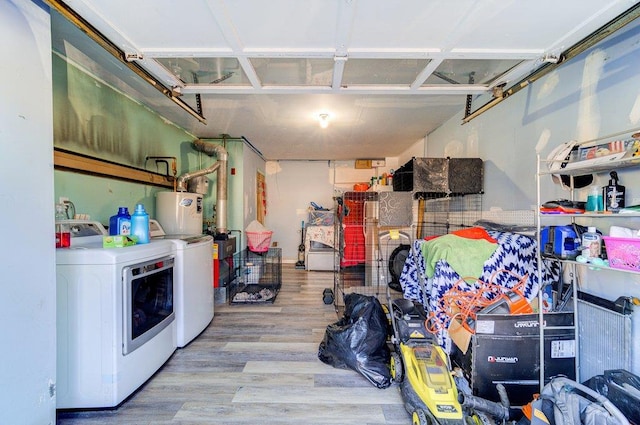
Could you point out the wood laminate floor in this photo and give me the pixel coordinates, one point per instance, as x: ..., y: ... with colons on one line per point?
x: 257, y: 364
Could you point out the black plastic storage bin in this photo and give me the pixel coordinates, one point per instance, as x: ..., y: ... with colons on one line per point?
x: 440, y: 175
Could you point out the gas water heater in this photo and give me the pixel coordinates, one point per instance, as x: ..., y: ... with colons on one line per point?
x: 179, y: 213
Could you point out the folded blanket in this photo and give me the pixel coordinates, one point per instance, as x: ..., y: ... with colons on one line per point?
x: 465, y: 256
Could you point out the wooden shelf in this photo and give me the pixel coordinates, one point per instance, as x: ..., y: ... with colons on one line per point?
x: 70, y: 161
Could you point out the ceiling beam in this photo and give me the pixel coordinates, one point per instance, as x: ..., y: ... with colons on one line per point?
x: 445, y: 89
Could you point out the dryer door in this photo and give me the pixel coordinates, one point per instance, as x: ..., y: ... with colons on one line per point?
x: 392, y: 256
x: 396, y: 264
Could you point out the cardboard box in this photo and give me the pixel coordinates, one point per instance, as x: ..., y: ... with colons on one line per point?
x: 506, y: 349
x: 118, y: 241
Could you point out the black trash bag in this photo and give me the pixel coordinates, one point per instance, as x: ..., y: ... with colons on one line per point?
x: 358, y: 341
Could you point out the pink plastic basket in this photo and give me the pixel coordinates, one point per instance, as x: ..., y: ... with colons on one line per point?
x: 623, y: 253
x: 259, y: 241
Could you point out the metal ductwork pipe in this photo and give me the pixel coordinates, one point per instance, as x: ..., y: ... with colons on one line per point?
x: 220, y: 152
x: 181, y: 185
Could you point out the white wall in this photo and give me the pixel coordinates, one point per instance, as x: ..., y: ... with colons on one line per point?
x: 28, y: 315
x: 591, y: 96
x: 344, y: 175
x: 291, y: 186
x: 417, y: 150
x: 252, y: 163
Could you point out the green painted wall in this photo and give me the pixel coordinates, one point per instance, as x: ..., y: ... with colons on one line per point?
x: 235, y: 189
x: 92, y: 118
x: 95, y: 119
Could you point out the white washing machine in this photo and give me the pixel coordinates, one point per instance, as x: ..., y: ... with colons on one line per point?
x: 193, y: 281
x: 115, y: 317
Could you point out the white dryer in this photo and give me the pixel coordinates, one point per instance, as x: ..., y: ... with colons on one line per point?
x: 115, y: 317
x: 193, y: 284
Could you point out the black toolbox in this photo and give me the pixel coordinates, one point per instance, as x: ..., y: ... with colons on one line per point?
x: 506, y: 349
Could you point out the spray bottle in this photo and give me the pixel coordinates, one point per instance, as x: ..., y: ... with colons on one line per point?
x: 613, y: 194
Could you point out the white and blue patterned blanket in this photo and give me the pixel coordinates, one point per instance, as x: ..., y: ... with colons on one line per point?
x: 515, y: 253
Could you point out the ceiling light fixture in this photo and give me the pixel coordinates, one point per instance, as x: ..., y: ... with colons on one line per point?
x: 324, y: 120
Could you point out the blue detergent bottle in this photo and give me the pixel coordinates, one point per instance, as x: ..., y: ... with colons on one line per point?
x: 120, y: 224
x: 140, y: 224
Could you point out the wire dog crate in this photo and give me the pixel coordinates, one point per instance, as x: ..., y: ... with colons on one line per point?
x: 260, y: 277
x: 368, y: 249
x: 353, y: 243
x: 439, y: 214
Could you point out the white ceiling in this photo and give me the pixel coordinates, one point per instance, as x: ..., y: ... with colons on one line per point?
x: 386, y: 72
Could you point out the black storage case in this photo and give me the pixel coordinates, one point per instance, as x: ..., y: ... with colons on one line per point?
x: 457, y: 176
x: 506, y: 350
x: 622, y: 388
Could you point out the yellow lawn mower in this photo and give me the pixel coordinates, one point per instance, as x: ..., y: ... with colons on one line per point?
x: 423, y: 372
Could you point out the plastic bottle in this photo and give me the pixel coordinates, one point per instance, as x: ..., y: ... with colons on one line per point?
x: 594, y: 200
x: 591, y: 244
x: 613, y: 194
x: 140, y: 224
x: 120, y: 224
x: 63, y: 232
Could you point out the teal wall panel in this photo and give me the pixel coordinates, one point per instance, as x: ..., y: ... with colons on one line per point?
x: 100, y: 197
x: 94, y: 119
